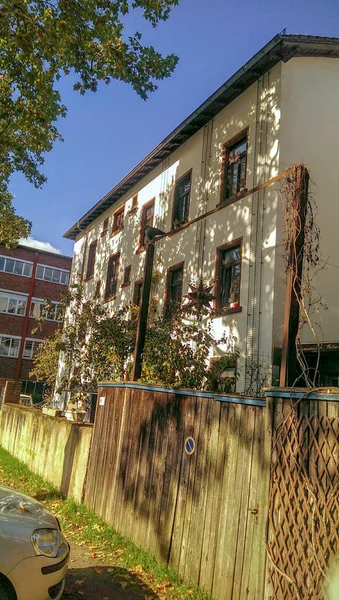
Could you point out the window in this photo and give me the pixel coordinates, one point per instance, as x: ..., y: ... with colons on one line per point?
x: 105, y: 226
x: 182, y: 193
x: 9, y: 346
x: 147, y: 218
x: 112, y: 277
x: 12, y: 304
x: 137, y: 294
x: 234, y: 170
x: 118, y: 220
x: 127, y: 276
x: 52, y: 274
x: 174, y: 285
x: 97, y: 290
x: 228, y: 276
x: 30, y: 348
x: 53, y: 310
x: 15, y: 266
x: 91, y: 260
x: 134, y: 205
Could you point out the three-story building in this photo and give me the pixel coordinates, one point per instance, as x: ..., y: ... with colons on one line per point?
x: 209, y: 186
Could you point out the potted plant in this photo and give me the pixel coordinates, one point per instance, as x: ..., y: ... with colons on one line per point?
x: 79, y: 408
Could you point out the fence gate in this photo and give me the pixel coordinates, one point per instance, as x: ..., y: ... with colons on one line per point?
x: 303, y: 531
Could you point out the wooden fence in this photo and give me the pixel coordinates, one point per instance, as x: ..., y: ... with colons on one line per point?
x: 239, y: 495
x: 303, y: 534
x: 185, y: 476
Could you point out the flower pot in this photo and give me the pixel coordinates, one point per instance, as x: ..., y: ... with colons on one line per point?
x: 79, y: 416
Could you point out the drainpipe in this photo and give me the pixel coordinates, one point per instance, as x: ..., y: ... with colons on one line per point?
x: 26, y: 318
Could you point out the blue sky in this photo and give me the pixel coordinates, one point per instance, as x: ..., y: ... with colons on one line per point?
x: 107, y: 133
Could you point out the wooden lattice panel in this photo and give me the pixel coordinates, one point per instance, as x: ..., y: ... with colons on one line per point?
x: 303, y: 535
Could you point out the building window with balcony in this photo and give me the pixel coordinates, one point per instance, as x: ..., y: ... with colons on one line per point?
x: 12, y: 304
x: 182, y: 192
x: 147, y: 219
x: 30, y: 348
x: 228, y: 273
x: 112, y: 277
x: 174, y: 287
x: 9, y: 346
x: 91, y: 260
x: 118, y: 220
x: 234, y: 168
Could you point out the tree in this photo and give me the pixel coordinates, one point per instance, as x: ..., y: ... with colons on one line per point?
x: 177, y: 348
x: 42, y: 40
x: 46, y: 362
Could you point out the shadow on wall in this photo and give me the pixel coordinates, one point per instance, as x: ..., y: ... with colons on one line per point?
x: 69, y: 455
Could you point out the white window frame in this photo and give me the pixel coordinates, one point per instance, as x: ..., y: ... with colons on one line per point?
x: 10, y: 337
x: 41, y: 302
x: 7, y: 294
x: 18, y: 260
x: 33, y: 349
x: 43, y: 278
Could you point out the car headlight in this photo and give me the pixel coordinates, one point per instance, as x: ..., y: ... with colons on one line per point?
x: 47, y: 542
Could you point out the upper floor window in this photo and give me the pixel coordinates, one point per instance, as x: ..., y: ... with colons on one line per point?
x: 127, y: 276
x: 9, y: 346
x: 16, y: 266
x: 112, y: 276
x: 91, y: 259
x: 228, y: 274
x: 147, y: 219
x: 105, y: 226
x: 182, y: 192
x: 13, y: 304
x: 134, y: 204
x: 53, y: 311
x: 118, y: 219
x: 234, y: 170
x: 174, y: 285
x: 30, y: 348
x: 52, y: 274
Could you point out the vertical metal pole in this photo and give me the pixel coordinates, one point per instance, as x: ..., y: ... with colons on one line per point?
x: 142, y: 322
x: 288, y: 372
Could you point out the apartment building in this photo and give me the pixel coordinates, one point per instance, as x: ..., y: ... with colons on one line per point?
x: 208, y: 187
x: 28, y: 277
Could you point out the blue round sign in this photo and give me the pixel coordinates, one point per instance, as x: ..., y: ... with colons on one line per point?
x: 189, y: 445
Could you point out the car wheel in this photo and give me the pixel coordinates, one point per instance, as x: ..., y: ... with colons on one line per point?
x: 7, y: 591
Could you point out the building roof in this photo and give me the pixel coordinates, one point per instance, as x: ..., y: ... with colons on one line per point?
x: 281, y: 47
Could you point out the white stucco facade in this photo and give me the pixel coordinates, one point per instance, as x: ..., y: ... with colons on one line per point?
x: 289, y: 115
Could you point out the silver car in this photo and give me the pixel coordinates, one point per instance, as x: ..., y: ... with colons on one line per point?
x: 34, y: 553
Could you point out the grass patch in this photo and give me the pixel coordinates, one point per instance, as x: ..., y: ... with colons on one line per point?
x: 85, y: 528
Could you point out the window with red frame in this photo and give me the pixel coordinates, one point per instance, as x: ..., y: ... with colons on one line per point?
x: 234, y: 175
x: 112, y: 276
x: 228, y: 277
x: 91, y: 260
x: 147, y: 218
x: 118, y: 220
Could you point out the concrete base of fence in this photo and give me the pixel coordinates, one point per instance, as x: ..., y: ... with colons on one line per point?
x: 54, y: 448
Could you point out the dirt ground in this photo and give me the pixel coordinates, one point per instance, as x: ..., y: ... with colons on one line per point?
x: 95, y: 579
